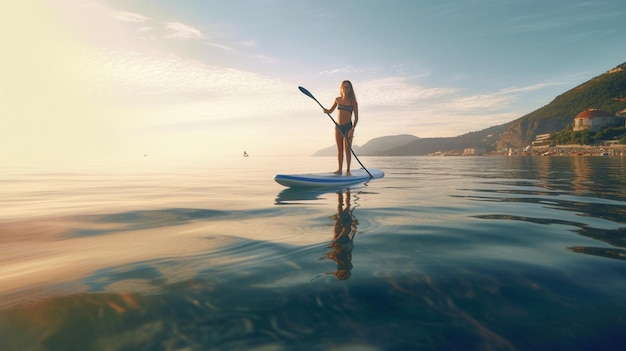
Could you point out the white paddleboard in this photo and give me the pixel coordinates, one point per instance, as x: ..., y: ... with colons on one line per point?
x: 327, y: 179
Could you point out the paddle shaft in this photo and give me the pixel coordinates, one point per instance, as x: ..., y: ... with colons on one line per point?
x: 307, y: 93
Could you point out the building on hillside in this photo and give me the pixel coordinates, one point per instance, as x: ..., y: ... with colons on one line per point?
x: 595, y: 120
x: 541, y: 140
x: 473, y: 151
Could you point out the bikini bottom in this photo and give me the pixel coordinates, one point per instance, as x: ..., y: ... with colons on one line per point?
x: 345, y: 128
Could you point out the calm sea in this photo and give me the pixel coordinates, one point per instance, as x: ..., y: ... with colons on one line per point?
x: 444, y: 253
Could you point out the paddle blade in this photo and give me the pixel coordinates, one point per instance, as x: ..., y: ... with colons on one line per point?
x: 306, y: 92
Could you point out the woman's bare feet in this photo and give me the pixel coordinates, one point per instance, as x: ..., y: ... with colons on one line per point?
x: 337, y: 171
x: 348, y: 173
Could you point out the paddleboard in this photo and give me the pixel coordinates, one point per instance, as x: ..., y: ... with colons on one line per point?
x: 330, y: 179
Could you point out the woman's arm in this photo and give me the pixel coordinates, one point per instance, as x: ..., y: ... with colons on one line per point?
x: 355, y: 106
x: 332, y: 108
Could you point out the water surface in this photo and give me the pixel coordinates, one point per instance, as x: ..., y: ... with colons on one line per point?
x: 444, y: 253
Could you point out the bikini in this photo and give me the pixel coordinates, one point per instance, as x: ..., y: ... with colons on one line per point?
x: 348, y: 108
x: 345, y: 128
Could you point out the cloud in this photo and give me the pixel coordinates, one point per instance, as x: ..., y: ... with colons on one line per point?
x: 130, y: 17
x: 220, y: 46
x: 250, y: 43
x: 398, y: 93
x: 491, y: 102
x: 346, y: 69
x: 460, y: 113
x: 179, y: 30
x: 266, y: 59
x: 534, y: 87
x: 157, y: 80
x: 477, y: 104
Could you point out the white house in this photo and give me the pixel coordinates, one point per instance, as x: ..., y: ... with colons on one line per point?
x: 595, y: 120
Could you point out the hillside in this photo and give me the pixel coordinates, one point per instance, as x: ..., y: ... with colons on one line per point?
x: 485, y: 139
x: 599, y: 92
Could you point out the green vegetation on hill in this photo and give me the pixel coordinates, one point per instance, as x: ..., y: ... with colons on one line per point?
x: 568, y: 136
x: 599, y: 93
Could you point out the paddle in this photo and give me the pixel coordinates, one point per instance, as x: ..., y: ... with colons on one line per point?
x: 308, y: 93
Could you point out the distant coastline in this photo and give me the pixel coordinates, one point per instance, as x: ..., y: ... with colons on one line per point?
x: 558, y: 150
x: 577, y: 150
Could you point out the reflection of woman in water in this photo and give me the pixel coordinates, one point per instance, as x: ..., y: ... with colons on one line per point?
x: 345, y: 229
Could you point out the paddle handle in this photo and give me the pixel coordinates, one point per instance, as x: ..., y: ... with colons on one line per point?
x: 308, y: 93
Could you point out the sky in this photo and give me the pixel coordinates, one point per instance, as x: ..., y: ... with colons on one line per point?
x: 196, y: 79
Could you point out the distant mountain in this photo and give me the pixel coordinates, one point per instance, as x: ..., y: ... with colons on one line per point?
x: 332, y: 151
x: 484, y: 140
x: 606, y: 92
x: 380, y: 146
x: 376, y: 146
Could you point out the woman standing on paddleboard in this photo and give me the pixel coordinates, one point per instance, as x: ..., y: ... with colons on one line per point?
x: 344, y: 132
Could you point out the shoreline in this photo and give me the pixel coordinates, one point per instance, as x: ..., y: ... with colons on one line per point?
x: 574, y: 150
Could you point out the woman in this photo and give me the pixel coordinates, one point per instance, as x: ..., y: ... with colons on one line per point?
x: 346, y: 104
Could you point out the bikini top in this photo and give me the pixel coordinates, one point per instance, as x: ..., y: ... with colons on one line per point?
x: 348, y: 108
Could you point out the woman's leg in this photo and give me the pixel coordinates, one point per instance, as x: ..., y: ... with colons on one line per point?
x: 340, y: 148
x: 347, y: 143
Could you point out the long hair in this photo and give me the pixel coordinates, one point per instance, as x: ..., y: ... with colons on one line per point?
x: 350, y: 94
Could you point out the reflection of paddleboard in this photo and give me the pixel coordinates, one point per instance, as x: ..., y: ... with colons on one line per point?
x: 290, y: 196
x: 319, y: 180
